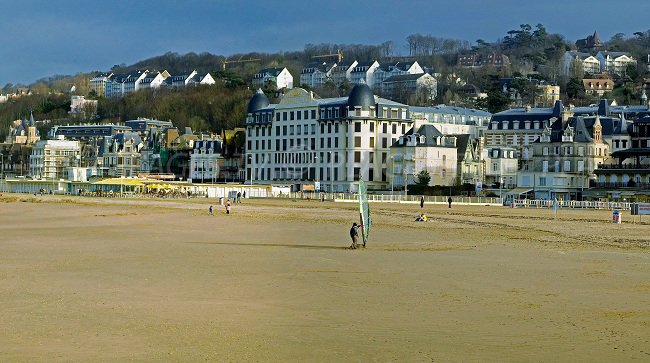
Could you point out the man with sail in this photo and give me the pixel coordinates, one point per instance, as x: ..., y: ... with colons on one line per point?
x: 364, y: 212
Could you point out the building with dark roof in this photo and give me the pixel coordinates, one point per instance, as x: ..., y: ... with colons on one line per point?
x: 333, y: 141
x: 627, y: 172
x: 423, y: 149
x: 561, y: 162
x: 273, y: 78
x: 316, y: 74
x: 364, y: 72
x: 473, y: 60
x: 422, y: 85
x: 591, y: 43
x: 387, y: 70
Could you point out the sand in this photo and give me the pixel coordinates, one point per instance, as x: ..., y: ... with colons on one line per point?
x: 91, y: 280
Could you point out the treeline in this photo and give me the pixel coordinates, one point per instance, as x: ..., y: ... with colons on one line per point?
x: 203, y: 108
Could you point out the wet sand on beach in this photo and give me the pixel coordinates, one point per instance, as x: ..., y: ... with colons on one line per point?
x: 90, y: 279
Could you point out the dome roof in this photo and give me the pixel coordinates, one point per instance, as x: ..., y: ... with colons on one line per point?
x: 258, y: 101
x: 361, y: 96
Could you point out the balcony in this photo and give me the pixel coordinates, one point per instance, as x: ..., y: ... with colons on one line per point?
x: 622, y: 185
x: 623, y: 167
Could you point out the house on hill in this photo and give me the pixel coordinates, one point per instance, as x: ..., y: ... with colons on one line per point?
x: 316, y: 74
x: 277, y: 78
x: 591, y: 43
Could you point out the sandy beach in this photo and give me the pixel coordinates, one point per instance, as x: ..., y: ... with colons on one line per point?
x: 98, y: 280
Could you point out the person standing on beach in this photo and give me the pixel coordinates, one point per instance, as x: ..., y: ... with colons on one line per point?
x: 238, y: 197
x: 210, y: 209
x: 228, y: 205
x: 449, y: 201
x: 422, y: 202
x: 354, y: 235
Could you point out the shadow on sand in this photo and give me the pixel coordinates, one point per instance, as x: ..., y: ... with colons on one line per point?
x: 273, y: 245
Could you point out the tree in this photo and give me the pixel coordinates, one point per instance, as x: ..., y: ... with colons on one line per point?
x: 497, y: 101
x: 575, y: 88
x: 423, y: 179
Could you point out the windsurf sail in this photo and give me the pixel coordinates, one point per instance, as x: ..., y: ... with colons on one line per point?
x: 364, y: 211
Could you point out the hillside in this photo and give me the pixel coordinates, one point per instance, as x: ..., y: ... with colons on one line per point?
x: 533, y: 53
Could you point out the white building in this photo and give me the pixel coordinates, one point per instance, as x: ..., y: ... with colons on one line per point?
x: 388, y: 70
x: 316, y: 74
x: 501, y: 167
x: 202, y: 79
x: 364, y: 73
x: 154, y: 79
x: 123, y: 84
x: 279, y: 78
x: 121, y: 155
x: 206, y: 160
x: 578, y: 63
x: 181, y: 80
x: 51, y: 158
x: 342, y: 72
x: 333, y: 141
x: 615, y: 62
x: 424, y: 149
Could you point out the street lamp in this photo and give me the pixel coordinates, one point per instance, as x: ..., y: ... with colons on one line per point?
x: 331, y: 172
x: 392, y: 173
x: 250, y: 162
x: 316, y: 173
x: 406, y: 183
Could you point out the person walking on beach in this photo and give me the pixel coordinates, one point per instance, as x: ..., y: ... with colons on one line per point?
x: 228, y: 205
x: 210, y: 209
x: 354, y: 235
x: 238, y: 197
x: 422, y: 202
x: 449, y: 201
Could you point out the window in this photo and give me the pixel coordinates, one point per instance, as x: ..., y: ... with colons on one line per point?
x: 357, y: 127
x: 357, y: 156
x: 299, y: 114
x: 542, y: 181
x: 372, y: 142
x: 372, y: 126
x: 357, y: 172
x: 357, y: 141
x: 581, y: 165
x: 313, y: 114
x: 545, y: 166
x: 384, y: 142
x: 371, y: 157
x: 291, y: 116
x: 545, y: 151
x: 394, y: 128
x: 298, y: 130
x: 284, y: 116
x: 336, y: 128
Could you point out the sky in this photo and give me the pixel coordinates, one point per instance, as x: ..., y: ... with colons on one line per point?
x: 42, y: 38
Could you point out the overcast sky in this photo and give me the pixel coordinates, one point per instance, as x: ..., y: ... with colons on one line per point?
x: 41, y: 38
